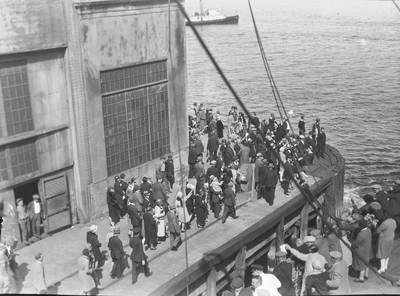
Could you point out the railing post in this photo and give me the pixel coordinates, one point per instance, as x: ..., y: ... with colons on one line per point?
x: 304, y: 221
x: 280, y: 234
x: 212, y: 282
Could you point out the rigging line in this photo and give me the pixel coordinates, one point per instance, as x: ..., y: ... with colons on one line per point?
x: 305, y: 191
x: 395, y: 4
x: 268, y: 69
x: 272, y: 82
x: 181, y: 166
x: 266, y: 66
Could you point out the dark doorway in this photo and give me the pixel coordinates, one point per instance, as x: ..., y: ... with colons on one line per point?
x: 26, y: 191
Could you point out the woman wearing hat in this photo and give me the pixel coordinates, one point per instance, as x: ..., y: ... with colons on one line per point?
x: 216, y: 196
x: 312, y: 259
x: 85, y: 273
x: 362, y: 248
x: 159, y: 215
x: 385, y: 243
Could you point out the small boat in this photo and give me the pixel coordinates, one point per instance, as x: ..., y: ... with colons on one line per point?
x: 212, y: 17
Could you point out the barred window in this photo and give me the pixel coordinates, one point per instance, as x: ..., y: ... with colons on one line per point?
x: 3, y: 166
x: 135, y: 114
x: 24, y: 158
x: 16, y: 97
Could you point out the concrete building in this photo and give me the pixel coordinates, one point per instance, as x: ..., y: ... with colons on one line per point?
x: 89, y: 89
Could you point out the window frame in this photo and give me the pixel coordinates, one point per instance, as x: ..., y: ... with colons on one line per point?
x: 149, y: 91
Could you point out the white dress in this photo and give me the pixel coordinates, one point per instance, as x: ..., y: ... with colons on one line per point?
x: 160, y: 216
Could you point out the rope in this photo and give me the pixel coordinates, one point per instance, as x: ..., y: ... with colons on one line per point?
x: 181, y: 166
x: 305, y: 190
x: 274, y: 88
x: 397, y: 6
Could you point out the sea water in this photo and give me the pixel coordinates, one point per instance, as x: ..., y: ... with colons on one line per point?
x: 338, y: 60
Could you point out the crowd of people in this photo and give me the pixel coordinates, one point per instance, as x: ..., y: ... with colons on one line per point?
x: 218, y: 170
x: 322, y: 263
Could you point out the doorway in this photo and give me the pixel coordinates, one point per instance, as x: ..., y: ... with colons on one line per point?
x: 26, y: 191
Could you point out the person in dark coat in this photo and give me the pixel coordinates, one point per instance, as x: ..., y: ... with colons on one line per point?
x: 212, y: 146
x: 283, y: 272
x: 198, y: 169
x: 145, y: 186
x: 138, y: 257
x: 220, y: 128
x: 174, y: 230
x: 362, y: 247
x: 120, y: 187
x: 117, y: 255
x: 227, y: 152
x: 257, y: 165
x: 229, y: 203
x: 113, y: 207
x: 134, y: 217
x: 159, y: 191
x: 150, y: 229
x: 302, y: 126
x: 93, y: 240
x: 316, y: 130
x: 321, y: 143
x: 98, y: 258
x: 268, y: 184
x: 192, y: 158
x: 212, y: 171
x: 170, y: 170
x: 200, y: 208
x: 198, y: 146
x: 271, y: 122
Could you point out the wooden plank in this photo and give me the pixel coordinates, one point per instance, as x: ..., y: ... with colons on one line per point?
x: 212, y: 282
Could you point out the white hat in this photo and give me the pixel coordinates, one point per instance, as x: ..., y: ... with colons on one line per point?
x: 309, y: 239
x: 335, y: 254
x: 93, y: 228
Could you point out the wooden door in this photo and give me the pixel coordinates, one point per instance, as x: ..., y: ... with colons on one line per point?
x: 56, y: 202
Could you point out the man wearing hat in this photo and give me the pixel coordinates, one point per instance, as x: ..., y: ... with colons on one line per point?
x: 311, y: 258
x: 138, y: 257
x: 93, y: 239
x: 198, y: 169
x: 212, y: 146
x: 23, y: 220
x: 229, y: 203
x: 134, y: 216
x: 268, y: 184
x: 120, y: 187
x: 36, y: 215
x: 316, y: 130
x: 117, y: 254
x: 170, y: 170
x: 174, y: 230
x: 257, y: 165
x: 283, y: 272
x: 338, y: 282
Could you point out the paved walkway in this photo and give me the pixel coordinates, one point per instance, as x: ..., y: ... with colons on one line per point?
x: 61, y: 250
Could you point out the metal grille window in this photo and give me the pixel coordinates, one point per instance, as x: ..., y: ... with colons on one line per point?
x: 3, y: 166
x: 16, y: 97
x: 135, y: 113
x: 23, y: 158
